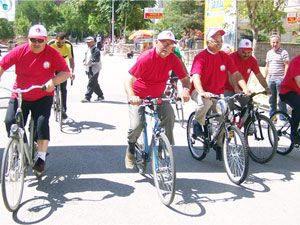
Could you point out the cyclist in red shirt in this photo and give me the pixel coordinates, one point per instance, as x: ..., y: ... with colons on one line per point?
x: 148, y: 77
x: 289, y: 92
x: 246, y: 64
x: 209, y: 73
x: 35, y: 64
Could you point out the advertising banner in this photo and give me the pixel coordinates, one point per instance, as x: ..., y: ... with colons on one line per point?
x: 222, y: 14
x: 7, y: 9
x: 153, y: 13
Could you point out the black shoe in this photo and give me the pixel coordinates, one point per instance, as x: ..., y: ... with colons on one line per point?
x: 296, y: 139
x: 85, y: 100
x: 197, y: 129
x: 39, y: 165
x: 64, y: 115
x: 99, y: 99
x: 218, y: 150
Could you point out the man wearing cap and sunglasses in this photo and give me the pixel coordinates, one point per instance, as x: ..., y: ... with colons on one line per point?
x: 246, y: 64
x: 148, y: 77
x: 209, y: 73
x: 35, y: 63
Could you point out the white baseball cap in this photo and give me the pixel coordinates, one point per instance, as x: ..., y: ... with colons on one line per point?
x: 166, y: 35
x: 89, y: 39
x: 245, y: 44
x: 214, y: 31
x: 37, y: 31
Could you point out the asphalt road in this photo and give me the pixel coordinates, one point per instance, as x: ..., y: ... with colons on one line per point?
x: 86, y: 182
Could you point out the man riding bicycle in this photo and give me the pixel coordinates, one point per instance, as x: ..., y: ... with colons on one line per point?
x: 148, y: 77
x: 209, y: 74
x: 35, y: 64
x: 65, y: 48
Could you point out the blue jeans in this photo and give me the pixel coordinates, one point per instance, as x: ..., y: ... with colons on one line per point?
x: 274, y: 86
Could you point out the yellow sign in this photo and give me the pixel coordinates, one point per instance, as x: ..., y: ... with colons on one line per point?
x: 222, y: 14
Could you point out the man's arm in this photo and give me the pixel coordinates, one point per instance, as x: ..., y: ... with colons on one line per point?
x: 57, y: 79
x: 238, y: 83
x: 128, y: 85
x: 266, y: 70
x: 286, y: 65
x: 1, y: 71
x: 186, y: 88
x: 297, y: 79
x: 199, y: 88
x: 263, y: 82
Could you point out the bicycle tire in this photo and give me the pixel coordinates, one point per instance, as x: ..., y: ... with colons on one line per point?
x: 195, y: 144
x: 58, y: 107
x: 12, y: 175
x: 285, y: 145
x: 163, y: 168
x: 262, y: 145
x: 140, y: 155
x: 235, y: 155
x: 180, y: 113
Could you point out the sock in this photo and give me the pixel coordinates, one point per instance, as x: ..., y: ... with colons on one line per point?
x: 42, y: 155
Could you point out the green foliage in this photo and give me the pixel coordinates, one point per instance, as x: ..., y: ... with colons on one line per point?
x: 182, y: 14
x: 6, y: 29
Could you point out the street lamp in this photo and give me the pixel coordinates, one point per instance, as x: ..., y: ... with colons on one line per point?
x: 112, y: 27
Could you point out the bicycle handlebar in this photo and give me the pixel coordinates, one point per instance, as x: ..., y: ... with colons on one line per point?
x: 18, y: 90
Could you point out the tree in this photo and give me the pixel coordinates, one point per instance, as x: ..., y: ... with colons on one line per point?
x: 264, y: 16
x: 6, y: 29
x: 179, y: 15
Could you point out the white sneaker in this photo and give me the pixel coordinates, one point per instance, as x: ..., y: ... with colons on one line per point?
x: 129, y: 160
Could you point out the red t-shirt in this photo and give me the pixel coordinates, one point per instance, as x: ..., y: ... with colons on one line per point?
x: 289, y: 83
x: 33, y: 69
x: 244, y: 66
x: 152, y: 73
x: 213, y: 70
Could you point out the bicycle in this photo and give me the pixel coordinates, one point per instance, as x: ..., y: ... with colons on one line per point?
x: 260, y: 133
x: 57, y: 106
x: 285, y: 144
x: 18, y: 155
x: 159, y: 152
x: 172, y: 93
x: 235, y: 149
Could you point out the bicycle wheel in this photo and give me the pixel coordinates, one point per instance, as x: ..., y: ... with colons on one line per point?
x: 235, y: 155
x: 282, y: 124
x: 195, y: 144
x: 12, y: 175
x: 180, y: 114
x: 163, y: 168
x: 58, y: 107
x: 261, y: 137
x: 140, y: 155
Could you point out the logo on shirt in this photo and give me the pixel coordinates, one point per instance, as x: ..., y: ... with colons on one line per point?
x: 222, y: 67
x: 46, y: 65
x: 248, y: 70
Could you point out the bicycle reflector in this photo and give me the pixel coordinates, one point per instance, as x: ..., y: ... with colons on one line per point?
x: 221, y: 107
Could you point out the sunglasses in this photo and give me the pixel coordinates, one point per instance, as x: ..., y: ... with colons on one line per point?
x: 166, y: 44
x: 35, y: 40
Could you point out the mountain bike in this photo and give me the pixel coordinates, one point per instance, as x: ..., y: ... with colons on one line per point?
x: 172, y: 93
x: 57, y: 106
x: 282, y: 122
x: 219, y: 126
x: 260, y: 133
x: 18, y: 155
x: 159, y: 152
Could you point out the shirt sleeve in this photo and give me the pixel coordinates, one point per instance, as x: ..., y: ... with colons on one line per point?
x: 197, y: 65
x: 178, y: 68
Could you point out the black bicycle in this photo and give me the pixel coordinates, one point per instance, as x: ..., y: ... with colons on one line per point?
x: 219, y: 126
x: 260, y: 133
x: 282, y: 122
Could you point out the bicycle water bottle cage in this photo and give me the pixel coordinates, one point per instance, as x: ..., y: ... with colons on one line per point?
x: 14, y: 131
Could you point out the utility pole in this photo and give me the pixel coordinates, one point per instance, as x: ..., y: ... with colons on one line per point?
x: 112, y: 27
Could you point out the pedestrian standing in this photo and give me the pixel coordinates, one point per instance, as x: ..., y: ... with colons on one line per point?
x: 92, y: 63
x: 277, y: 61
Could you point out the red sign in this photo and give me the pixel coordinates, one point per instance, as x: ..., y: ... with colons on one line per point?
x: 153, y: 13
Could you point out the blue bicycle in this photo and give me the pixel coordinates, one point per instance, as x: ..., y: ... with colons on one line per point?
x: 159, y: 152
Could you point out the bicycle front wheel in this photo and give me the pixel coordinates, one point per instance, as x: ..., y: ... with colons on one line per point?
x: 235, y: 155
x: 140, y: 155
x: 12, y: 175
x: 163, y: 168
x: 195, y: 143
x: 261, y: 137
x: 58, y: 107
x: 282, y: 123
